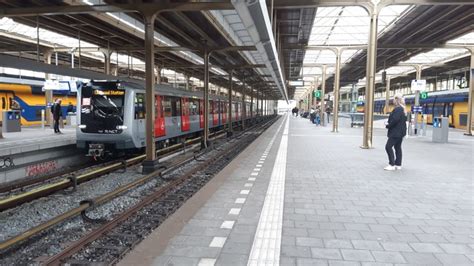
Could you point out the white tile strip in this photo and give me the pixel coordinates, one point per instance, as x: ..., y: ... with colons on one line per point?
x: 245, y: 192
x: 248, y: 185
x: 227, y: 224
x: 234, y: 211
x: 240, y: 200
x: 267, y: 241
x: 251, y: 179
x: 207, y: 262
x: 217, y: 242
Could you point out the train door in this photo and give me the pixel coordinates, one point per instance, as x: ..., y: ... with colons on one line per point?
x: 184, y: 114
x: 201, y: 113
x: 139, y: 117
x: 160, y: 126
x: 224, y: 112
x: 6, y: 99
x: 215, y: 113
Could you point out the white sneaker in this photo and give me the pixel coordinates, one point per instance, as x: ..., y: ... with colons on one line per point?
x: 389, y: 168
x: 397, y: 167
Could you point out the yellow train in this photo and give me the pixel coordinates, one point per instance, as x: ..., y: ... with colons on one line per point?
x: 31, y: 97
x: 452, y: 104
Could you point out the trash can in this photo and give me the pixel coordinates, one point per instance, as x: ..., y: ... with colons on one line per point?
x: 440, y: 129
x: 71, y: 119
x: 11, y: 121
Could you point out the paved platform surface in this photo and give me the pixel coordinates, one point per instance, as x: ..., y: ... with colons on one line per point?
x: 35, y: 138
x: 303, y: 195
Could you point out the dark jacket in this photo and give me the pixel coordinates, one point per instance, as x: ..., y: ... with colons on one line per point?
x: 397, y: 127
x: 57, y: 111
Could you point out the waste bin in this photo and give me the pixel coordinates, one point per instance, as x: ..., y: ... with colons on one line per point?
x: 11, y: 121
x: 440, y: 129
x: 71, y: 119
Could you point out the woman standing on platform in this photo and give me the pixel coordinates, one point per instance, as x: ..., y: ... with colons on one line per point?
x: 397, y: 129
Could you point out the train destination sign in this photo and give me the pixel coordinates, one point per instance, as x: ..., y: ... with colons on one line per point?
x: 109, y: 92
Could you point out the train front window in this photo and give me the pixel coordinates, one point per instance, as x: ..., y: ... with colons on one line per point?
x: 102, y: 110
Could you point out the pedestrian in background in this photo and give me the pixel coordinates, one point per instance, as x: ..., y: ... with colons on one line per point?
x: 57, y: 114
x: 397, y: 129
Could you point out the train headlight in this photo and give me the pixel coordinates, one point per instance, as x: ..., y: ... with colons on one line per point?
x: 121, y: 127
x: 81, y: 126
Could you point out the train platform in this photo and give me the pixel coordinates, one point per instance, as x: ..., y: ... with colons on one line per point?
x: 302, y: 195
x: 35, y: 152
x: 35, y: 138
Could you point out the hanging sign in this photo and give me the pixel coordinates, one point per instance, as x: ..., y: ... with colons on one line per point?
x: 418, y: 85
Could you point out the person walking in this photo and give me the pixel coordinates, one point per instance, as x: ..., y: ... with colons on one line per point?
x: 397, y: 129
x: 328, y: 112
x: 57, y: 114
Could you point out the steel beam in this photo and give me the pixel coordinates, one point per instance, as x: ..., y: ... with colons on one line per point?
x: 296, y: 4
x: 123, y: 8
x: 370, y: 78
x: 229, y: 119
x: 470, y: 113
x: 337, y: 79
x: 387, y: 95
x: 150, y: 163
x: 205, y: 140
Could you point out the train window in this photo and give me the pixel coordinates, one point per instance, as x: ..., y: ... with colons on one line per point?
x: 175, y: 106
x: 4, y: 103
x: 193, y: 106
x: 140, y: 106
x: 166, y: 106
x: 10, y: 102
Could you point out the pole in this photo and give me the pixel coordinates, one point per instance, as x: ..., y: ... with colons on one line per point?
x: 323, y: 90
x: 37, y: 39
x: 370, y: 77
x: 337, y: 79
x: 387, y: 96
x: 244, y: 107
x: 470, y: 115
x: 417, y: 97
x: 205, y: 141
x: 251, y: 103
x: 229, y: 119
x: 48, y: 93
x: 150, y: 163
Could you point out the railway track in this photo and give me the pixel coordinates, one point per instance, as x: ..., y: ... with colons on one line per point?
x: 162, y: 201
x: 71, y: 179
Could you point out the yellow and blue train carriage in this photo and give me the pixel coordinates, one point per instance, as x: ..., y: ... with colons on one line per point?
x: 452, y: 104
x: 32, y: 99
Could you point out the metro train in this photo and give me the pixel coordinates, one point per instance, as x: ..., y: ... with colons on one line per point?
x: 111, y: 116
x: 452, y: 104
x: 31, y: 97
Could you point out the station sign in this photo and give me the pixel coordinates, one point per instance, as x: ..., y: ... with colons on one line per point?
x: 317, y: 93
x: 417, y: 109
x: 424, y: 95
x: 418, y: 85
x: 296, y: 83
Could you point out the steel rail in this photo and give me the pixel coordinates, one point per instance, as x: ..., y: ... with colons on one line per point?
x: 99, y: 200
x: 42, y: 191
x: 95, y: 234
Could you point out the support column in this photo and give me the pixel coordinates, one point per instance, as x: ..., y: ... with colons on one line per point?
x: 323, y: 91
x: 370, y: 78
x: 107, y: 62
x: 205, y: 140
x: 337, y: 79
x: 150, y: 163
x: 261, y: 103
x: 387, y: 95
x: 251, y: 103
x: 157, y: 75
x: 256, y: 110
x: 470, y: 111
x: 417, y: 96
x: 48, y: 93
x: 244, y: 107
x: 229, y: 119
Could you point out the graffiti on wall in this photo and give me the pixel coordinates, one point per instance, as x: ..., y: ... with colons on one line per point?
x: 41, y: 168
x: 6, y: 162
